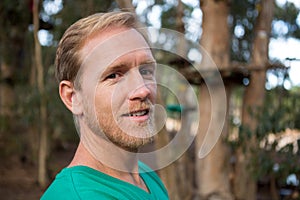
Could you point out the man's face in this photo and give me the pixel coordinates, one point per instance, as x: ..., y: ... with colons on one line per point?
x: 118, y: 87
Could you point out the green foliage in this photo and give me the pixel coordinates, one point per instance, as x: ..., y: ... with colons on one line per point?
x: 281, y: 111
x: 15, y: 17
x: 288, y: 14
x: 242, y: 22
x: 72, y: 11
x: 168, y: 18
x: 242, y: 16
x: 169, y: 13
x: 15, y: 12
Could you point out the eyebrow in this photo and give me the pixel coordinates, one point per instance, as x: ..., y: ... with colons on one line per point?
x: 113, y: 68
x: 122, y: 66
x: 150, y: 61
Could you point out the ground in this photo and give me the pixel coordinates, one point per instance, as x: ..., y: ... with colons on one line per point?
x: 19, y: 182
x: 18, y: 178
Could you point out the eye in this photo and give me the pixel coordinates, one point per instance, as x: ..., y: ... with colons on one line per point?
x: 113, y: 76
x: 147, y: 71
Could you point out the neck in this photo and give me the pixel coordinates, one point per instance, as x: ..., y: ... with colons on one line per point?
x: 99, y: 154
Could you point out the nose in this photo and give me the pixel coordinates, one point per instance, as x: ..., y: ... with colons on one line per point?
x: 140, y: 93
x: 139, y: 89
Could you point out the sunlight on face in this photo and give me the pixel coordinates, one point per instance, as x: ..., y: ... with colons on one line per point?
x: 119, y: 89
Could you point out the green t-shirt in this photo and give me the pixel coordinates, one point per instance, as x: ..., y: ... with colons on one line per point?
x: 81, y: 182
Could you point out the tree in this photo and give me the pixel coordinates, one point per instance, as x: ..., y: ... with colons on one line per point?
x: 245, y: 184
x: 213, y: 170
x: 125, y: 5
x: 232, y: 31
x: 12, y: 42
x: 43, y: 130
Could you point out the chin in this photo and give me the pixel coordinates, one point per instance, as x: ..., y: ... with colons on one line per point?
x: 133, y: 145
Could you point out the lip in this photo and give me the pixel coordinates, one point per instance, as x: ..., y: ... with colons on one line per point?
x: 134, y: 115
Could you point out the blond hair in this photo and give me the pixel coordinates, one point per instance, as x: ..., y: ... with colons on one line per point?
x: 67, y: 60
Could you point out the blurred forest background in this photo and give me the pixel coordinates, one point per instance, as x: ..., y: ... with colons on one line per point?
x: 257, y: 155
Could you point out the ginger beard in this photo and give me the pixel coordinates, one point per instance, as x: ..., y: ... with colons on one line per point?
x: 115, y: 126
x: 117, y: 112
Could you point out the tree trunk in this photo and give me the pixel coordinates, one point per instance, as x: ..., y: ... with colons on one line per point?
x: 6, y: 91
x: 181, y: 171
x: 90, y: 7
x: 126, y: 5
x: 184, y: 165
x: 213, y: 170
x: 167, y: 174
x: 42, y: 172
x: 245, y: 184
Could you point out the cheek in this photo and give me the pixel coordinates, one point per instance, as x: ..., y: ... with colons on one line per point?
x: 108, y: 100
x: 118, y: 100
x: 102, y: 101
x: 153, y: 91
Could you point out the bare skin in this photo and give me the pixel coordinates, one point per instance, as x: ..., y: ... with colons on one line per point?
x: 134, y: 84
x: 83, y: 157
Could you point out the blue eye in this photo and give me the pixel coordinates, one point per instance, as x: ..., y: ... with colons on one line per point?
x: 112, y: 76
x: 146, y: 72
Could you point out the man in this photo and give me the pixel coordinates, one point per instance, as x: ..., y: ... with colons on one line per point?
x: 106, y: 75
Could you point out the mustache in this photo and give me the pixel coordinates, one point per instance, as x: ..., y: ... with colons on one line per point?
x: 146, y: 105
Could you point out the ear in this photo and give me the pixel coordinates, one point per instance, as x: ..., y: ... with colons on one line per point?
x: 70, y: 97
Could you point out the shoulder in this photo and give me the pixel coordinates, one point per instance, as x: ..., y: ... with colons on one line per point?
x: 76, y: 183
x: 86, y: 183
x: 81, y: 182
x: 61, y: 188
x: 152, y: 180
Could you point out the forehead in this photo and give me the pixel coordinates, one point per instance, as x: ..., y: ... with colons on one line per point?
x: 104, y: 48
x: 114, y: 40
x: 111, y: 45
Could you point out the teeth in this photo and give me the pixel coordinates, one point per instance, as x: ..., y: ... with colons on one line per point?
x: 136, y: 114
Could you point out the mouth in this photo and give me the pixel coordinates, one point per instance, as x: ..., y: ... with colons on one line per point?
x: 140, y: 115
